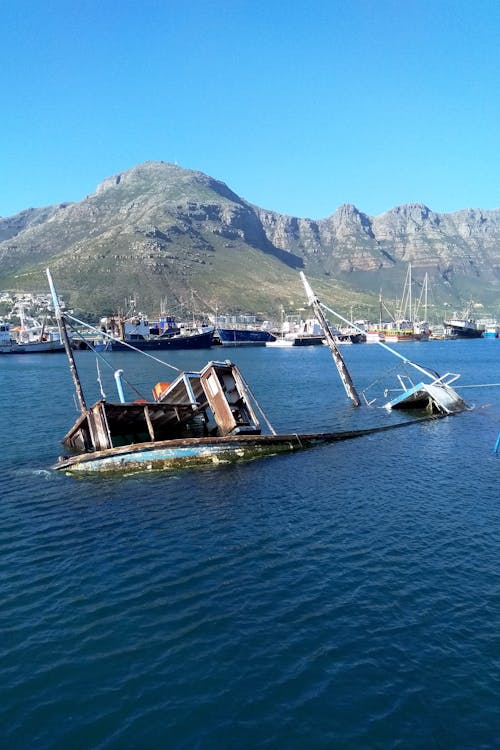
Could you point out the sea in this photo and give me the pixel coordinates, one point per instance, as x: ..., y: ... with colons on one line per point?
x: 344, y: 597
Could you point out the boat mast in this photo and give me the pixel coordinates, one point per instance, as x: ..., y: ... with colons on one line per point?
x: 410, y: 301
x: 67, y: 346
x: 426, y: 284
x: 337, y: 357
x: 429, y: 373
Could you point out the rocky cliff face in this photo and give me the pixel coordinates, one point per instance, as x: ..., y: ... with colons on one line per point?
x: 411, y: 233
x: 160, y: 226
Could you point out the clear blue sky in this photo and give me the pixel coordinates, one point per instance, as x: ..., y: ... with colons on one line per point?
x: 298, y: 106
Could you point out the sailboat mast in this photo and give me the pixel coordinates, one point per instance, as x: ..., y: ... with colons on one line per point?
x: 426, y: 282
x: 410, y: 309
x: 337, y: 357
x: 67, y: 346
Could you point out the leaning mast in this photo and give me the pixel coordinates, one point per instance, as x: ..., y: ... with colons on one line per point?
x: 337, y: 357
x: 67, y: 346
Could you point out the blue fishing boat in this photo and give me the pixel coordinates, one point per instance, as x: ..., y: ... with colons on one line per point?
x: 136, y: 332
x: 192, y: 339
x: 244, y: 336
x: 491, y: 331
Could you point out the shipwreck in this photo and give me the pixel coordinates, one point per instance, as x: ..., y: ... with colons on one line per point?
x: 207, y: 417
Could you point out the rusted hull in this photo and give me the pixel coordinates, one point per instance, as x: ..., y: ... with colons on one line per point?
x: 190, y: 452
x: 176, y: 454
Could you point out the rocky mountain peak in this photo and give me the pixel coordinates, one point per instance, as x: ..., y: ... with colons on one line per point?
x: 162, y: 229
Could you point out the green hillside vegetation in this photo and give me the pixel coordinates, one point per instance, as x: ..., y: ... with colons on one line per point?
x: 159, y: 231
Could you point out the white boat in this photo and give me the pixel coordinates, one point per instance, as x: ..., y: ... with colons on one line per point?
x: 436, y: 396
x: 491, y: 331
x: 374, y: 337
x: 302, y: 333
x: 281, y: 343
x: 406, y: 324
x: 32, y: 338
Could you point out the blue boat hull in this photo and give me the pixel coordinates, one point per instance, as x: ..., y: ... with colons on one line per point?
x: 243, y: 337
x: 161, y: 343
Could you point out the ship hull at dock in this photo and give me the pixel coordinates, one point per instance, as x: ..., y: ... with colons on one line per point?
x: 243, y: 336
x: 456, y: 331
x: 160, y: 343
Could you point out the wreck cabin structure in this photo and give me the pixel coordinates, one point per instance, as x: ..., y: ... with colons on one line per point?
x: 196, y: 404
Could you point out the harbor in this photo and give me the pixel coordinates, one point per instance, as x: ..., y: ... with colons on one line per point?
x: 249, y: 376
x: 212, y: 416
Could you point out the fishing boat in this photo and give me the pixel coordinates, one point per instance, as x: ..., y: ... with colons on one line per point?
x: 243, y: 336
x: 405, y: 324
x: 491, y: 330
x: 300, y: 333
x: 463, y: 326
x: 30, y: 338
x: 138, y: 332
x: 284, y: 341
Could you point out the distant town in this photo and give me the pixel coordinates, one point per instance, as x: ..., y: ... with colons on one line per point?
x: 14, y: 306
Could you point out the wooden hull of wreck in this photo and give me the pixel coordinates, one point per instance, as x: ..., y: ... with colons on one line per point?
x: 208, y: 451
x: 190, y: 452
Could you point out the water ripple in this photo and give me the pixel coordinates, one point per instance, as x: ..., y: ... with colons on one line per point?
x: 344, y: 597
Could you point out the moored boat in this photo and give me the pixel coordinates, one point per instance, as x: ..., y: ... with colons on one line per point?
x: 188, y: 339
x: 137, y: 333
x: 282, y: 342
x: 243, y: 336
x: 491, y: 331
x: 299, y: 333
x: 32, y: 338
x: 463, y: 326
x: 405, y: 324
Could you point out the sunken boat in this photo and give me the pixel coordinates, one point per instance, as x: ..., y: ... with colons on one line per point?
x: 200, y: 418
x: 207, y: 417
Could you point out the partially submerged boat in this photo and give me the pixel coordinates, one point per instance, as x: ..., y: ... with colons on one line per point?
x: 205, y: 417
x: 434, y: 394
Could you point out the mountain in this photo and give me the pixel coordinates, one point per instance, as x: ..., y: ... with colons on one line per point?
x: 159, y: 231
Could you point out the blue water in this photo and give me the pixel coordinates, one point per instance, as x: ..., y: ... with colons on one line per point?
x: 343, y: 597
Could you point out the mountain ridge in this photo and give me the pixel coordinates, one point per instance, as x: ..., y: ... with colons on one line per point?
x: 158, y: 229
